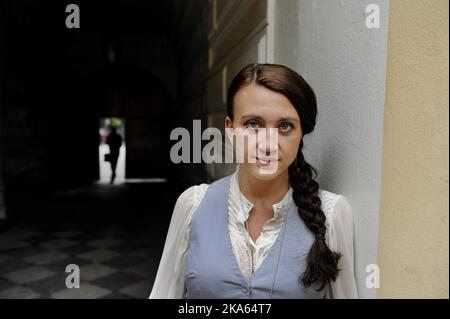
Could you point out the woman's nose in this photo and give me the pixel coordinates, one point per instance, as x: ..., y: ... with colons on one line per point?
x: 268, y: 142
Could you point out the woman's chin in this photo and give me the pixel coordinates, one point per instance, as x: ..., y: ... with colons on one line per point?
x: 265, y: 173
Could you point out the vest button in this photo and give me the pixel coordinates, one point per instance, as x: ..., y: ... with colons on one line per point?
x: 244, y: 288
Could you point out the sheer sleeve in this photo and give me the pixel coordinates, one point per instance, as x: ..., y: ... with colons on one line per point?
x: 340, y: 239
x: 169, y: 281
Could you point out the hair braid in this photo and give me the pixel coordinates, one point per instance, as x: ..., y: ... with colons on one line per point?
x: 322, y: 263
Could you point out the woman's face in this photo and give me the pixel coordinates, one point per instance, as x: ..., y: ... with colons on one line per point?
x: 269, y: 126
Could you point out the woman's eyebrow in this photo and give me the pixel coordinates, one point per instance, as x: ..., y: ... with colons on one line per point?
x: 260, y: 118
x: 252, y: 116
x: 287, y: 119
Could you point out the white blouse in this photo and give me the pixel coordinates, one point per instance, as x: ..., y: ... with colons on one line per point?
x: 169, y: 281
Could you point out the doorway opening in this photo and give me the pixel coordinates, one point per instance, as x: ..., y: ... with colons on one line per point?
x: 112, y: 150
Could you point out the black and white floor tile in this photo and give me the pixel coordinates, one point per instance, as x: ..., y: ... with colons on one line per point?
x: 117, y: 259
x: 33, y: 264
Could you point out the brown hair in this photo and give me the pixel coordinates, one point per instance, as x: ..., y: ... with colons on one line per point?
x: 322, y: 263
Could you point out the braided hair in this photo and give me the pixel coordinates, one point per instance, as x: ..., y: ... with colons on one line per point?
x: 321, y: 262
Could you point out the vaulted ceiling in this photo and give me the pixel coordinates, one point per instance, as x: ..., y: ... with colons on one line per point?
x: 136, y: 20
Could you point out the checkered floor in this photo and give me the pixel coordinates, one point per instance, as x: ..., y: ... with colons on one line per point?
x: 112, y: 265
x: 117, y: 260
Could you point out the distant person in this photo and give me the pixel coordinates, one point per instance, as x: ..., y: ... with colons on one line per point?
x: 114, y: 141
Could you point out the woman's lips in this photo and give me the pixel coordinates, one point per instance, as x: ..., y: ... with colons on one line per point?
x: 266, y: 161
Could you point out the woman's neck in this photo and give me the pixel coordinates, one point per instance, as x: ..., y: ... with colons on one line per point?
x: 261, y: 192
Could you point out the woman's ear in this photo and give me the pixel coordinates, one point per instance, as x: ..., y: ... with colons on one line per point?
x: 228, y: 122
x: 228, y: 128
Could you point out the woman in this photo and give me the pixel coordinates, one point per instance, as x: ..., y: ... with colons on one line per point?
x: 268, y: 230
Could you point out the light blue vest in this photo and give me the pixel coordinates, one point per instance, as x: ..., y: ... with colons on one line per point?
x: 212, y: 270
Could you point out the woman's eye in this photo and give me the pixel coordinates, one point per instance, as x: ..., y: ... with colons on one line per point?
x: 252, y: 124
x: 286, y: 127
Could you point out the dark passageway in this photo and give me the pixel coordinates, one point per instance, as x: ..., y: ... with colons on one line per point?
x: 141, y: 61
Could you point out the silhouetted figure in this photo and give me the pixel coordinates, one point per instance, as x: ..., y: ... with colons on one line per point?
x: 114, y: 141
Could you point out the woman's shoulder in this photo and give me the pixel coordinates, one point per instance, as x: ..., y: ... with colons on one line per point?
x: 193, y: 195
x: 333, y: 204
x: 190, y: 198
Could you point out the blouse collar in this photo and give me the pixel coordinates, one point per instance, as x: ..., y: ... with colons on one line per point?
x: 280, y: 209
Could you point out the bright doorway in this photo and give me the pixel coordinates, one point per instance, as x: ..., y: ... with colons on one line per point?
x: 108, y: 127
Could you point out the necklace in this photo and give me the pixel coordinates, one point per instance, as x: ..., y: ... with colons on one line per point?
x: 279, y: 250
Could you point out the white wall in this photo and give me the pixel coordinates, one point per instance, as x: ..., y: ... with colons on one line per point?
x: 328, y: 43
